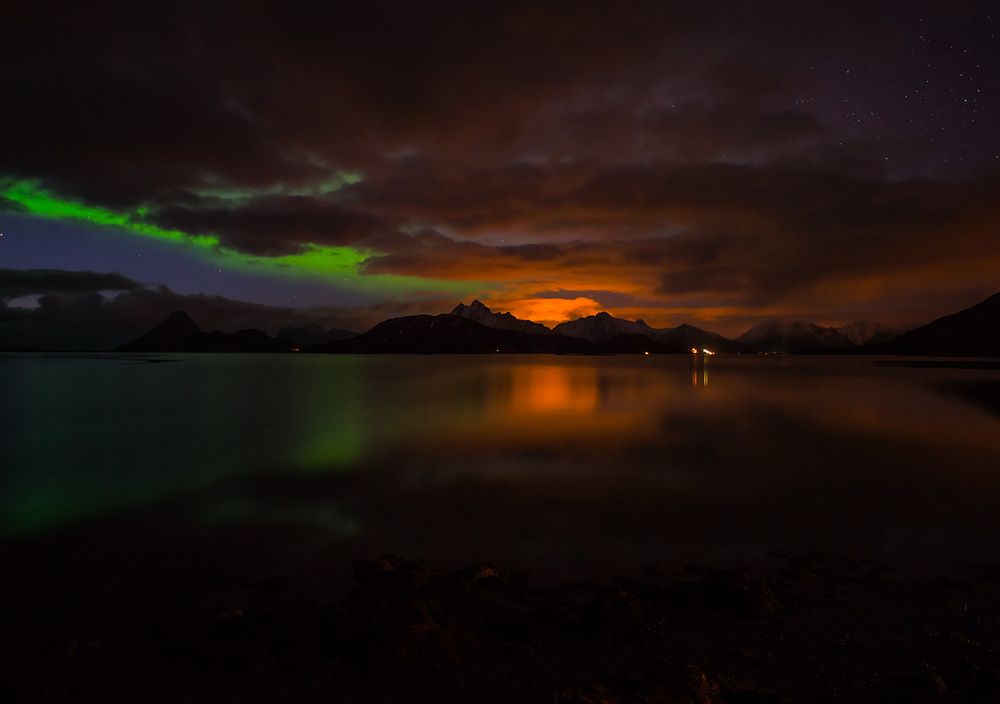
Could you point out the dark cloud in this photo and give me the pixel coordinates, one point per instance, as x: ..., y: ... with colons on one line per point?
x: 15, y: 283
x: 754, y: 234
x: 720, y: 151
x: 279, y: 224
x: 128, y: 105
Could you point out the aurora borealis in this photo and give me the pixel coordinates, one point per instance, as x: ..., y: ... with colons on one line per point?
x: 35, y: 200
x: 324, y: 262
x: 712, y: 163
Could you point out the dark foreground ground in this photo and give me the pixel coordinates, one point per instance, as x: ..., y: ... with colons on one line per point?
x: 807, y: 628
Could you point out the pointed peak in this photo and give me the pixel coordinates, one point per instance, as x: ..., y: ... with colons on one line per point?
x: 476, y: 306
x: 603, y: 314
x: 177, y: 327
x: 179, y: 322
x: 179, y: 315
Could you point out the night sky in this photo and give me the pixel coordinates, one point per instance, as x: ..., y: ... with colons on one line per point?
x: 707, y: 162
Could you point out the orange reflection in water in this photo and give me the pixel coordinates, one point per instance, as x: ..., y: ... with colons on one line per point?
x: 554, y: 389
x: 699, y: 370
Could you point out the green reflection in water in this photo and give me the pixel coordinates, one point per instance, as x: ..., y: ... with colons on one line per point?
x: 83, y: 437
x: 338, y: 436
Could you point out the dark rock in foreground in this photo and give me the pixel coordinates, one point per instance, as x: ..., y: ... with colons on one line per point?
x: 806, y: 629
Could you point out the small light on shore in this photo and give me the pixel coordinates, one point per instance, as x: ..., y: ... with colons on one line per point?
x: 710, y: 353
x: 646, y: 353
x: 694, y: 350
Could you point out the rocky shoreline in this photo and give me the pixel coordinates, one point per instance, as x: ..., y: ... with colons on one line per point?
x: 802, y: 628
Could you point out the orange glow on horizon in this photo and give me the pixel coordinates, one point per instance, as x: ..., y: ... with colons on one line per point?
x: 549, y: 311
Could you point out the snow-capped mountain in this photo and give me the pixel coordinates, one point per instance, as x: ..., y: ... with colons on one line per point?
x: 501, y: 321
x: 865, y: 332
x: 602, y: 327
x: 778, y: 336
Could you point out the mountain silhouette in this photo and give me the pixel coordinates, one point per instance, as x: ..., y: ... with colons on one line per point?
x: 171, y: 333
x: 684, y: 337
x: 178, y: 333
x: 798, y: 337
x: 618, y: 334
x: 310, y: 334
x: 453, y: 334
x: 795, y: 337
x: 474, y: 328
x: 602, y: 327
x: 973, y: 331
x: 502, y: 321
x: 634, y: 343
x: 864, y: 332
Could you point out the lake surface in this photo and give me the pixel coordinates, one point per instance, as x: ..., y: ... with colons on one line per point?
x: 121, y: 475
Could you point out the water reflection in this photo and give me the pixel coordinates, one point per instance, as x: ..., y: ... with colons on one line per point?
x: 553, y: 388
x: 536, y: 458
x: 699, y: 370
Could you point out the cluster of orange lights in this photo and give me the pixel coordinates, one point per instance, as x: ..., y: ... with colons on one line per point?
x: 710, y: 353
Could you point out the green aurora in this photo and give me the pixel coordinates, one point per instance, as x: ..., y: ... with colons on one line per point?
x: 341, y: 266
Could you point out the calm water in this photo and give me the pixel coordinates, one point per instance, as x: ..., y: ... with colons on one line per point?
x: 237, y: 467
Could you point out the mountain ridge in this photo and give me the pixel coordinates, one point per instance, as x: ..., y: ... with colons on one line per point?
x: 179, y: 333
x: 972, y: 331
x: 453, y: 334
x: 479, y: 313
x: 603, y: 327
x: 793, y: 337
x: 474, y: 328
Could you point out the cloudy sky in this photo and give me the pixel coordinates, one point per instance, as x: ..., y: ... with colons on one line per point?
x: 714, y: 162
